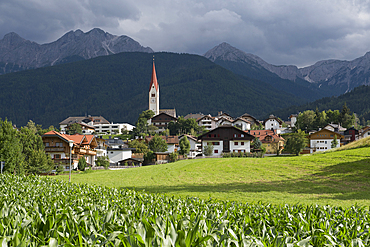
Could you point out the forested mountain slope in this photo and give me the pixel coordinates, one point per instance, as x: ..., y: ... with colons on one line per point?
x: 358, y: 100
x: 116, y: 87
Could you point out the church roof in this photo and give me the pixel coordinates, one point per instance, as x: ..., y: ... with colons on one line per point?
x: 154, y: 79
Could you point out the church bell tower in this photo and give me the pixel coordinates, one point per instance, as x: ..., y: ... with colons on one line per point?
x: 154, y: 93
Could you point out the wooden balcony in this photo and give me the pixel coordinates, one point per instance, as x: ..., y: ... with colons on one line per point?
x: 54, y: 149
x: 91, y: 152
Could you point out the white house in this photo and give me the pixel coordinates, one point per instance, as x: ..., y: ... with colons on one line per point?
x: 242, y: 123
x: 226, y: 139
x: 208, y: 122
x: 322, y: 140
x: 364, y: 132
x: 272, y: 123
x: 335, y: 127
x: 117, y: 154
x: 293, y: 120
x: 195, y: 146
x: 112, y: 128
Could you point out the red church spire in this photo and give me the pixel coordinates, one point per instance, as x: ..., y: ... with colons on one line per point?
x: 154, y: 79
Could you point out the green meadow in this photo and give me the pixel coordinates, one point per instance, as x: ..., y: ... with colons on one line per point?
x: 339, y: 178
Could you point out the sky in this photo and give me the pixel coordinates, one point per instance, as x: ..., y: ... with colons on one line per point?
x: 281, y: 32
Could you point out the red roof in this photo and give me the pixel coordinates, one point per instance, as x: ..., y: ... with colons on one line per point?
x: 76, y: 138
x: 154, y: 79
x: 262, y: 134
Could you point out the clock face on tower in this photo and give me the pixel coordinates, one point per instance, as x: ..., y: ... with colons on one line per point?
x: 152, y: 100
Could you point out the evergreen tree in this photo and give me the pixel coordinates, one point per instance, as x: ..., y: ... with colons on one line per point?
x: 346, y: 118
x: 11, y: 149
x: 334, y: 143
x: 184, y: 146
x: 81, y: 164
x: 257, y: 144
x: 36, y: 161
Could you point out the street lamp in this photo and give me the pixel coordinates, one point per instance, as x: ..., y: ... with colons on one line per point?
x: 70, y: 158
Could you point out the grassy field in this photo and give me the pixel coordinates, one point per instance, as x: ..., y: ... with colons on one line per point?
x: 339, y: 178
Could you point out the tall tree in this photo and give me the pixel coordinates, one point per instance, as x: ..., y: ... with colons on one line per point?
x: 332, y: 116
x: 305, y: 120
x: 141, y: 126
x: 36, y: 161
x: 184, y: 146
x: 346, y: 118
x: 157, y: 144
x: 296, y: 143
x: 11, y: 149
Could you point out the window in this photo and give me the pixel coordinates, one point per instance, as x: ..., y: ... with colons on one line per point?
x: 56, y: 156
x: 46, y: 144
x: 215, y: 143
x: 216, y: 151
x: 153, y: 95
x: 236, y: 143
x: 242, y: 143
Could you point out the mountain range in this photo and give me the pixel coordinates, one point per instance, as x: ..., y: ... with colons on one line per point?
x: 325, y: 78
x: 18, y: 54
x: 258, y: 88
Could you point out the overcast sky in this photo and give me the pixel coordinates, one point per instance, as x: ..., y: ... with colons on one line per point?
x: 295, y: 32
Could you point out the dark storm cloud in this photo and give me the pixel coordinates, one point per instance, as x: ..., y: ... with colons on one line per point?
x: 279, y: 31
x: 44, y: 21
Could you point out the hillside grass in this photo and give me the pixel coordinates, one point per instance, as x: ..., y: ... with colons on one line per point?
x: 339, y: 178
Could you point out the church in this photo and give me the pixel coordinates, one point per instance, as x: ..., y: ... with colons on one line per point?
x: 154, y: 97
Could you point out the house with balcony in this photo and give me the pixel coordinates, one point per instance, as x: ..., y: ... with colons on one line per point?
x: 226, y: 139
x: 271, y: 141
x: 161, y: 121
x: 57, y: 146
x: 250, y: 118
x: 322, y: 140
x: 208, y: 122
x: 242, y: 124
x: 273, y: 123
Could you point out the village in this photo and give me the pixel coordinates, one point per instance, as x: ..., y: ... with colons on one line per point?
x: 223, y: 133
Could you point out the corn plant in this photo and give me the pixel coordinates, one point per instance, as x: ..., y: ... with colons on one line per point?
x: 38, y: 211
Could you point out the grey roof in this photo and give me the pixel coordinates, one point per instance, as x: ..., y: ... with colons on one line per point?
x: 71, y: 120
x: 171, y: 112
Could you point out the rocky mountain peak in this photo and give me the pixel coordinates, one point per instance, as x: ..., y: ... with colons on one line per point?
x: 224, y: 51
x: 77, y: 44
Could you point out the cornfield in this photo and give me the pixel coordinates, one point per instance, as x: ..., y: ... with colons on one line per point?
x: 39, y: 211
